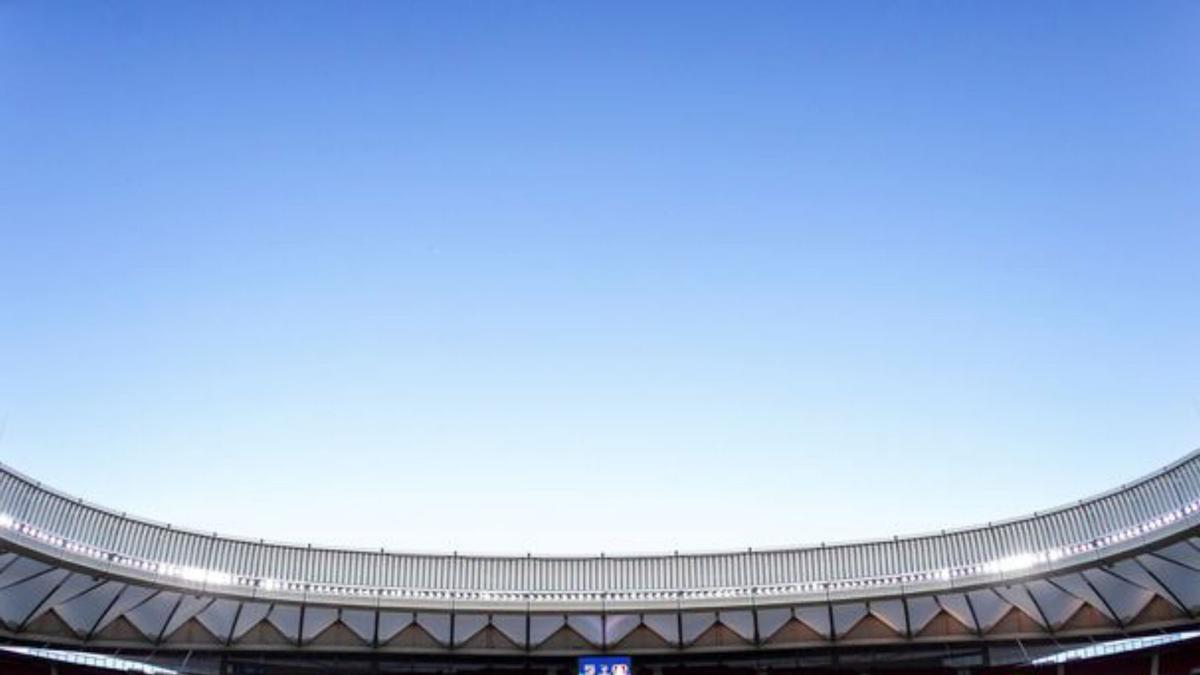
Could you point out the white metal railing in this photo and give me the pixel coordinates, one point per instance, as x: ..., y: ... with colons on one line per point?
x: 1112, y: 647
x: 92, y: 660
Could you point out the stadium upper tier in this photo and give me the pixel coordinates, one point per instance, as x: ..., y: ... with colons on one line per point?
x: 49, y: 525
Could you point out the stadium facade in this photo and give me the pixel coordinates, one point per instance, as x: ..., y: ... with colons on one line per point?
x: 1122, y: 563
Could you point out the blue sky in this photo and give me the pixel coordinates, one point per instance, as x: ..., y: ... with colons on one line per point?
x: 572, y: 277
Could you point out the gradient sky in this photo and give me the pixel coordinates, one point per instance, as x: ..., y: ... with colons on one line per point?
x: 579, y: 277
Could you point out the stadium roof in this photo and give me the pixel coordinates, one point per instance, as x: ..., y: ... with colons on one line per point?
x: 1122, y: 561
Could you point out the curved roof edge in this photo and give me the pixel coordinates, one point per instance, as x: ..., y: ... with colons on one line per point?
x: 1191, y: 457
x: 1147, y: 509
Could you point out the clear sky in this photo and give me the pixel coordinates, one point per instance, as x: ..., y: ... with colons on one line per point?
x: 585, y: 276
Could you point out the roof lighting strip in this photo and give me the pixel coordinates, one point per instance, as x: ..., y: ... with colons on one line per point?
x: 197, y: 575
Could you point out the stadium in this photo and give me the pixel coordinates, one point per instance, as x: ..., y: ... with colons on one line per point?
x: 1124, y: 564
x: 531, y: 337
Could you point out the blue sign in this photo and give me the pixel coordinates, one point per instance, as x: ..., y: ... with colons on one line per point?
x: 605, y: 665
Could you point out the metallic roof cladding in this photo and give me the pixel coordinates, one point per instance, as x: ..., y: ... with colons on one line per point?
x: 1149, y: 509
